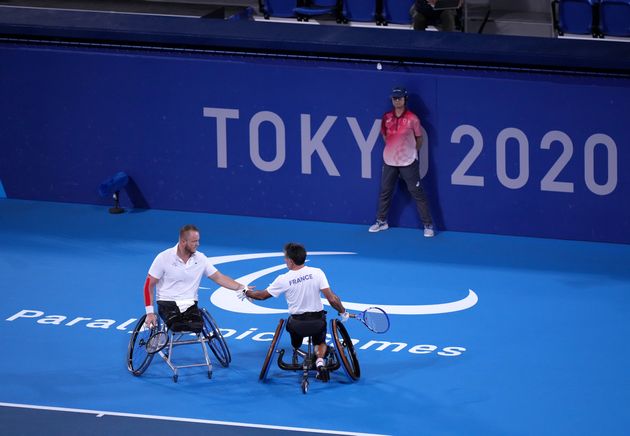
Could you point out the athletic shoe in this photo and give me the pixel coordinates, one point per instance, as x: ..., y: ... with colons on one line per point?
x: 322, y: 374
x: 378, y: 226
x: 429, y: 232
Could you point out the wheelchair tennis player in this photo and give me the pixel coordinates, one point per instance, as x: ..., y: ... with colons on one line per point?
x: 175, y: 275
x: 301, y: 286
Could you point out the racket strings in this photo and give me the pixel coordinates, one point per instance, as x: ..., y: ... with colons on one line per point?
x: 156, y: 342
x: 376, y: 320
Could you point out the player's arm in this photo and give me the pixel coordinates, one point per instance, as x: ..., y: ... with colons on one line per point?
x: 334, y: 300
x: 227, y: 282
x: 149, y: 292
x: 257, y: 295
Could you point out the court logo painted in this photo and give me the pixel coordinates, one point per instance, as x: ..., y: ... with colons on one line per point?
x: 225, y: 298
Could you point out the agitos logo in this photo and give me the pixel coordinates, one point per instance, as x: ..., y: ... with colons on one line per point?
x: 225, y: 298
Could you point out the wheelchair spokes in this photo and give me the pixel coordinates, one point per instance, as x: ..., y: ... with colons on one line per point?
x: 344, y: 349
x: 145, y: 343
x: 138, y: 355
x: 216, y: 342
x: 340, y: 353
x: 158, y: 340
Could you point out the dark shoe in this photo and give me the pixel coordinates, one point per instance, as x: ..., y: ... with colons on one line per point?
x: 322, y: 374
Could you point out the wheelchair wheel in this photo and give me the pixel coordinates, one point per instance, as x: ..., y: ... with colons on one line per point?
x: 216, y: 342
x: 272, y: 348
x: 344, y: 348
x: 138, y: 358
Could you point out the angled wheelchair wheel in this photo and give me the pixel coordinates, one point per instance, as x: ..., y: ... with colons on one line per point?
x: 216, y: 342
x: 271, y: 351
x: 138, y: 357
x: 344, y: 348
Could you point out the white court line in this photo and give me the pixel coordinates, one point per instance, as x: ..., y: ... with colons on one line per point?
x: 100, y: 413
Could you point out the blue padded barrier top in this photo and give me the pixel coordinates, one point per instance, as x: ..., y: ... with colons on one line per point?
x: 341, y: 41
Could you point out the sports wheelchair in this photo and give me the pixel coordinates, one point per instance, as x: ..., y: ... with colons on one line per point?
x: 340, y: 353
x: 146, y: 342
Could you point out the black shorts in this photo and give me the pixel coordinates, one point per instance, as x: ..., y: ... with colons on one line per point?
x: 189, y: 321
x: 311, y: 324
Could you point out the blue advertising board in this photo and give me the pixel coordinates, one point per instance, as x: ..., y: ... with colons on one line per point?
x: 505, y: 152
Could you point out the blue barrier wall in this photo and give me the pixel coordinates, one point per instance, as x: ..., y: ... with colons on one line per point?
x: 506, y: 152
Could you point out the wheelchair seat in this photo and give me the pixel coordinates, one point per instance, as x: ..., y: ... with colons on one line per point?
x: 340, y: 354
x: 145, y: 343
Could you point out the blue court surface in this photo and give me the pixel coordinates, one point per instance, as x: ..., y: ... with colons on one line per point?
x: 491, y: 335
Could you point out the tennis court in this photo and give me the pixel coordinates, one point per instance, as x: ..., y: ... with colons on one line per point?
x: 540, y: 350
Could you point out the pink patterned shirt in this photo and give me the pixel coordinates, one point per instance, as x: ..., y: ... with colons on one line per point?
x: 400, y: 138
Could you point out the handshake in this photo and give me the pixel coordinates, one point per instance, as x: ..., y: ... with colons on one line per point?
x: 242, y: 294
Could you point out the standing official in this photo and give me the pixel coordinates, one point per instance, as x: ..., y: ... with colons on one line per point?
x: 402, y: 133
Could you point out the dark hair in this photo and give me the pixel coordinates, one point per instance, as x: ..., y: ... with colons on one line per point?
x: 296, y: 252
x: 187, y: 228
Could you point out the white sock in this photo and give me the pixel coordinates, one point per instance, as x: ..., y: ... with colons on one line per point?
x: 319, y: 362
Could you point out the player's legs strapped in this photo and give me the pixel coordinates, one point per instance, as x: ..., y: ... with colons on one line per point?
x: 175, y: 320
x: 307, y: 324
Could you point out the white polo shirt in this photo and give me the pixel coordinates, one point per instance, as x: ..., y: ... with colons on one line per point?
x: 301, y: 288
x: 178, y: 280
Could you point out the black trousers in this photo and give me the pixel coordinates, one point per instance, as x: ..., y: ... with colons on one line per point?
x: 311, y: 324
x: 189, y: 321
x: 411, y: 175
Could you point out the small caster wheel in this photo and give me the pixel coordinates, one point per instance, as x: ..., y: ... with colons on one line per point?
x: 209, y: 374
x: 304, y: 386
x: 175, y: 378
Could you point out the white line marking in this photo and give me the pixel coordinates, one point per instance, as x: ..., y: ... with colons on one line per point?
x: 175, y: 418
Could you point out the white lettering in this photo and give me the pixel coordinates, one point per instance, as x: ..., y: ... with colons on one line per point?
x: 78, y: 319
x: 247, y: 333
x: 126, y: 324
x: 226, y: 333
x: 260, y: 337
x: 26, y: 314
x: 105, y: 324
x: 221, y: 115
x: 254, y: 141
x: 366, y: 145
x: 451, y: 351
x: 101, y: 324
x: 384, y: 345
x: 523, y: 158
x: 52, y: 319
x: 314, y: 144
x: 422, y: 349
x: 611, y: 161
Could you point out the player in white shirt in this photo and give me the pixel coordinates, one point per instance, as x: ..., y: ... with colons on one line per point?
x: 301, y: 287
x: 174, y: 278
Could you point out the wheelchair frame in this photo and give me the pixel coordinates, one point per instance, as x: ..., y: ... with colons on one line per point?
x: 340, y: 353
x: 139, y: 357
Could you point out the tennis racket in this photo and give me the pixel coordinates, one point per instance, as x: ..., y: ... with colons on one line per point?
x: 374, y: 319
x: 157, y: 340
